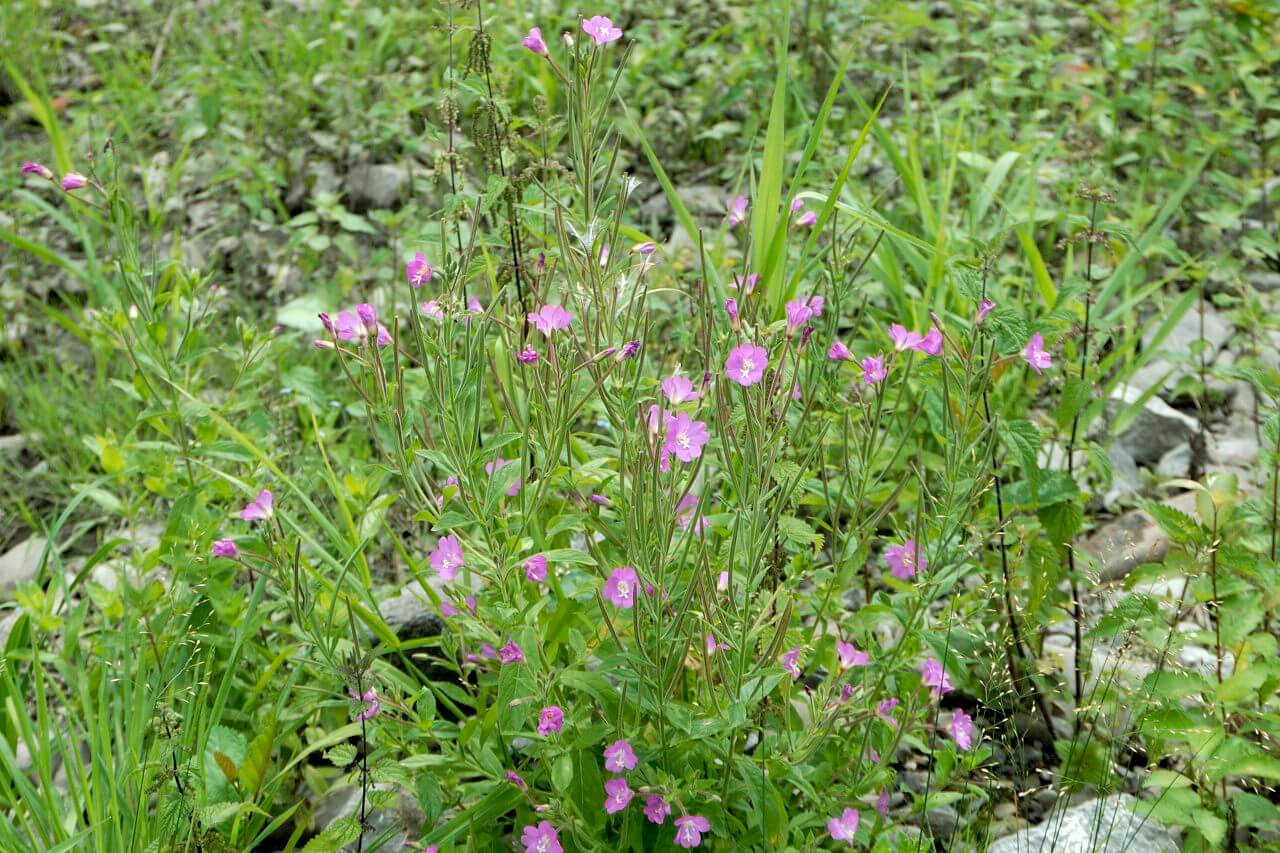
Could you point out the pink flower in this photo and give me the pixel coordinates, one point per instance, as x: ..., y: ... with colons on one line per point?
x: 258, y: 509
x: 40, y: 169
x: 225, y: 548
x: 686, y: 511
x: 791, y: 662
x: 851, y: 656
x: 932, y: 343
x: 629, y: 350
x: 905, y: 560
x: 962, y: 729
x: 516, y: 779
x: 648, y: 247
x: 620, y: 588
x: 550, y: 318
x: 873, y: 370
x: 534, y: 42
x: 446, y: 559
x: 983, y: 310
x: 528, y: 355
x: 601, y: 29
x: 535, y: 569
x: 656, y: 809
x: 432, y: 309
x: 619, y: 757
x: 617, y: 795
x: 844, y: 828
x: 885, y: 710
x: 845, y: 693
x: 550, y: 720
x: 542, y: 838
x: 839, y: 352
x: 418, y: 271
x: 490, y: 467
x: 746, y: 283
x: 797, y: 205
x: 903, y: 339
x: 447, y: 609
x: 1036, y: 355
x: 731, y: 309
x: 348, y: 327
x: 808, y: 219
x: 746, y: 363
x: 722, y: 582
x: 689, y: 829
x: 371, y: 707
x: 511, y: 653
x: 713, y: 646
x: 737, y: 207
x: 678, y: 390
x: 799, y: 312
x: 384, y: 337
x: 935, y: 678
x: 686, y: 437
x: 73, y: 181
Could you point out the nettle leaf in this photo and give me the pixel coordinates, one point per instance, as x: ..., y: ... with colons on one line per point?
x: 1181, y: 527
x: 1055, y: 487
x: 1023, y: 440
x: 1009, y: 328
x: 339, y: 834
x: 798, y: 532
x: 341, y: 755
x: 219, y: 812
x: 1075, y: 396
x: 1061, y: 520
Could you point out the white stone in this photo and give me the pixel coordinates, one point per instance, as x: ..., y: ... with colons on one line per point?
x: 1107, y: 825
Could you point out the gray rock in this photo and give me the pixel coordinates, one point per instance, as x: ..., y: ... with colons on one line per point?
x: 1267, y: 282
x: 20, y: 563
x: 410, y: 615
x: 1125, y: 480
x: 1179, y: 346
x: 1175, y: 463
x: 1107, y: 825
x: 386, y: 808
x: 12, y: 444
x: 1132, y: 539
x: 376, y: 187
x: 1157, y: 428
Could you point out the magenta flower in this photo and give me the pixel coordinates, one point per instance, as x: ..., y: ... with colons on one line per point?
x: 746, y: 363
x: 747, y: 283
x: 839, y: 352
x: 620, y: 588
x: 384, y: 337
x: 983, y: 310
x: 686, y: 437
x: 534, y: 42
x: 737, y: 207
x: 882, y: 804
x: 689, y: 829
x: 903, y: 339
x: 843, y: 828
x: 446, y: 559
x: 731, y: 309
x: 74, y: 181
x: 258, y: 509
x: 808, y: 219
x: 418, y: 271
x: 905, y: 560
x: 542, y: 838
x: 845, y: 693
x: 511, y: 653
x: 550, y: 720
x: 348, y: 326
x: 528, y: 355
x: 850, y: 655
x: 619, y: 757
x: 885, y: 710
x: 799, y: 312
x: 550, y: 318
x: 713, y: 646
x: 371, y: 707
x: 686, y: 515
x: 791, y: 662
x: 617, y: 795
x: 678, y: 390
x: 516, y: 779
x: 225, y: 548
x: 935, y: 678
x: 656, y: 809
x: 797, y: 205
x: 447, y: 609
x: 432, y: 310
x: 601, y: 29
x: 873, y: 370
x: 40, y: 169
x: 535, y: 569
x: 629, y: 349
x: 648, y: 247
x: 962, y: 730
x: 490, y: 467
x: 1036, y: 355
x: 932, y: 343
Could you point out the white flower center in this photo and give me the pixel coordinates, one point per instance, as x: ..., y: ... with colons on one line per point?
x: 624, y: 590
x: 747, y: 366
x: 683, y: 440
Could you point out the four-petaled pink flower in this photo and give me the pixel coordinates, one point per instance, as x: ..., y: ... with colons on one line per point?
x: 903, y: 339
x: 984, y: 308
x: 713, y: 646
x: 225, y: 548
x: 516, y: 779
x: 542, y: 838
x: 686, y: 514
x: 678, y: 389
x: 1036, y: 355
x: 873, y: 370
x: 40, y: 169
x: 656, y: 809
x: 260, y: 508
x: 685, y: 437
x: 801, y: 311
x: 446, y: 559
x: 534, y: 42
x: 845, y: 827
x: 601, y: 29
x: 839, y: 352
x: 74, y: 181
x: 962, y: 729
x: 528, y: 355
x: 371, y: 707
x: 617, y: 795
x: 620, y: 588
x: 535, y: 569
x: 850, y: 655
x: 490, y: 467
x: 550, y: 318
x: 935, y: 678
x: 747, y: 283
x: 791, y: 662
x: 432, y: 310
x: 885, y: 711
x: 550, y: 720
x: 808, y: 219
x: 689, y: 829
x: 648, y: 247
x: 511, y: 653
x: 619, y: 757
x: 905, y: 560
x: 737, y: 207
x: 746, y: 363
x: 418, y: 271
